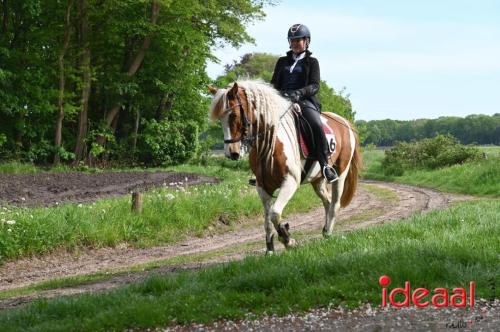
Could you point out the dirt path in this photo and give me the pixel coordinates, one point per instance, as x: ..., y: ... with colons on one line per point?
x: 366, y: 209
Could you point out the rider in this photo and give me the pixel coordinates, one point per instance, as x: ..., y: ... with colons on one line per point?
x: 296, y: 75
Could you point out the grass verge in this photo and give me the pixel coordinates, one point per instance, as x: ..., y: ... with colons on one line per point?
x: 480, y: 178
x: 445, y: 248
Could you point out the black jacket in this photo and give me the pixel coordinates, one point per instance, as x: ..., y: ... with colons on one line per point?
x: 312, y: 76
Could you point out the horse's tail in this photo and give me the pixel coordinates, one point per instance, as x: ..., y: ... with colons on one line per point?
x: 352, y: 175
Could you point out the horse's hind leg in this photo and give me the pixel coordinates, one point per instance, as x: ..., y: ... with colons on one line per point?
x: 287, y: 189
x: 268, y: 226
x: 322, y: 190
x: 337, y: 190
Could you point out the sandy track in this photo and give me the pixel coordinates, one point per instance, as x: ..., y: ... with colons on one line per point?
x: 359, y: 214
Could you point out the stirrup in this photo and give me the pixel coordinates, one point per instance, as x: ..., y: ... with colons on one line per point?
x: 335, y: 175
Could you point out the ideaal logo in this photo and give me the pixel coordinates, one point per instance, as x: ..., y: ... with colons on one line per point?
x: 440, y: 296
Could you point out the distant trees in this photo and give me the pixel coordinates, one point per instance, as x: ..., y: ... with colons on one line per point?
x: 85, y: 79
x: 473, y: 129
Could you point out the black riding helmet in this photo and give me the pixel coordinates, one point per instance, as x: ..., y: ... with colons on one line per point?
x: 297, y: 31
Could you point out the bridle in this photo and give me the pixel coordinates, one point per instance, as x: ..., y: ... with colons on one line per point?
x: 244, y: 128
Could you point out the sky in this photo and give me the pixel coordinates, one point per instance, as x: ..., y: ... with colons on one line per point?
x: 397, y: 59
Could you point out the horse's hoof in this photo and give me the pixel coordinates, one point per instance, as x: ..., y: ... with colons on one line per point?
x: 326, y: 235
x: 269, y: 253
x: 291, y: 243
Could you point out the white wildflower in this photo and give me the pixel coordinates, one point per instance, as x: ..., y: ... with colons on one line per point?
x: 10, y: 222
x: 9, y: 230
x: 169, y: 197
x: 80, y: 205
x: 23, y: 199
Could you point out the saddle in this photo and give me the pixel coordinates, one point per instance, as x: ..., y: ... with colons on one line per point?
x: 305, y: 138
x: 305, y: 135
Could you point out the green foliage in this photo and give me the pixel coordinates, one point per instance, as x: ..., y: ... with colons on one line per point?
x: 429, y: 153
x: 250, y: 66
x: 167, y: 143
x: 338, y: 103
x: 3, y: 140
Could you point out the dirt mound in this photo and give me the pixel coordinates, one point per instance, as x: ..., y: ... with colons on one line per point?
x: 45, y: 189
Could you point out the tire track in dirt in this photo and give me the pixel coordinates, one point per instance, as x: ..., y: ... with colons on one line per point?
x: 359, y: 214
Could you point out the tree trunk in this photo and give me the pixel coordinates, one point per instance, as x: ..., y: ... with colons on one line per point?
x: 86, y: 81
x: 5, y: 21
x: 62, y: 53
x: 160, y: 110
x: 139, y: 58
x: 136, y: 129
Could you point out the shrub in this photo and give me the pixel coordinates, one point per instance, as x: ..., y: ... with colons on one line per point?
x: 429, y: 153
x: 168, y: 142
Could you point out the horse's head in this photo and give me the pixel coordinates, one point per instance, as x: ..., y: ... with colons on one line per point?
x: 230, y: 106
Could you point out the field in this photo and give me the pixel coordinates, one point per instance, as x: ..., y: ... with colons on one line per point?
x: 446, y: 247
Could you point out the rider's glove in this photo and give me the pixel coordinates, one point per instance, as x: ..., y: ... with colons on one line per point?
x: 295, y: 96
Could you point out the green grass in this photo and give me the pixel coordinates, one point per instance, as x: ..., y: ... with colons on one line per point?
x: 480, y: 178
x: 491, y: 150
x: 445, y: 248
x: 14, y: 167
x: 169, y: 215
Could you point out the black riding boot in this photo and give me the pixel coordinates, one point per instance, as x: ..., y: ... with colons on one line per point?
x: 320, y: 144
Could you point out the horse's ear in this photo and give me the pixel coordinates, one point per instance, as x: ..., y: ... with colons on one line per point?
x: 233, y: 91
x: 212, y: 89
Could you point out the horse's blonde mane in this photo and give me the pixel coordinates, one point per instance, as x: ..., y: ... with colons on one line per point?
x: 269, y: 107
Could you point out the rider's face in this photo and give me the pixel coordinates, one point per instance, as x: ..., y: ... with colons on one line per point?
x: 298, y: 45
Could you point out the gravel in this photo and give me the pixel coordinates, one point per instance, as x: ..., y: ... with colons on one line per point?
x: 485, y: 316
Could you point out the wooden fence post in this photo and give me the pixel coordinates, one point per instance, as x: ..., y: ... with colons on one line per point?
x: 136, y: 202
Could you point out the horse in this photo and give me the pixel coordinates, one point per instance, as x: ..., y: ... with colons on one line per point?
x: 253, y: 113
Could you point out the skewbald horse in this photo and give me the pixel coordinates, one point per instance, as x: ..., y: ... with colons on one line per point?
x: 254, y: 113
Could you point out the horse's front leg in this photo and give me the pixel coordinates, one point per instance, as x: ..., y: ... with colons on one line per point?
x: 287, y: 189
x: 268, y: 226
